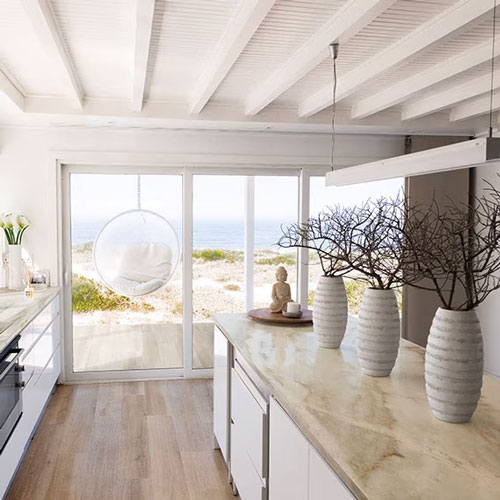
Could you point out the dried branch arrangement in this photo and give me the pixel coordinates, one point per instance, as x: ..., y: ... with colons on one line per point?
x: 371, y: 242
x: 362, y: 241
x: 454, y: 251
x: 320, y: 234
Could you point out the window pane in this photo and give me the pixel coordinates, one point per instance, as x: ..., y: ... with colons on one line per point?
x: 276, y: 204
x: 323, y: 197
x: 111, y: 331
x: 218, y: 249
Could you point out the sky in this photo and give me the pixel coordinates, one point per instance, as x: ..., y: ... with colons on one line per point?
x: 101, y: 196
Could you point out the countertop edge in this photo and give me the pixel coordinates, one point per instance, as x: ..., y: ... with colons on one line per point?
x: 18, y: 325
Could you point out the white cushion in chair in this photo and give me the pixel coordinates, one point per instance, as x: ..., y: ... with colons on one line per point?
x: 144, y: 263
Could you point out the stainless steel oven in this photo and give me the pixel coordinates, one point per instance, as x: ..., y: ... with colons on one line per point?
x: 11, y: 386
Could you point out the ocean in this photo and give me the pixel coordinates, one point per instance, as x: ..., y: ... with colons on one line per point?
x: 225, y: 234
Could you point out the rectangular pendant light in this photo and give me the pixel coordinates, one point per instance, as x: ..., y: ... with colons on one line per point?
x: 467, y: 154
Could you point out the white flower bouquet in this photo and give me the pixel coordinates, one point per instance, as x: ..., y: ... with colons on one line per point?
x: 14, y: 227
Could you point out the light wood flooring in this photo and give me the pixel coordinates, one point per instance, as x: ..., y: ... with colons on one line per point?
x: 125, y: 441
x: 136, y: 347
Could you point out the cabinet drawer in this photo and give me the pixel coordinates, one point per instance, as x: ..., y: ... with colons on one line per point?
x: 33, y: 331
x: 248, y: 481
x: 45, y: 347
x: 43, y: 320
x: 248, y: 414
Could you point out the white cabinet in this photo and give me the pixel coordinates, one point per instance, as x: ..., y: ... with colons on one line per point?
x: 323, y: 482
x: 42, y: 362
x: 249, y: 437
x: 296, y: 470
x: 288, y: 457
x: 221, y: 391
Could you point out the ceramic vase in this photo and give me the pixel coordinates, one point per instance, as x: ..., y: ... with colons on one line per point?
x: 330, y: 311
x: 15, y: 267
x: 454, y: 365
x: 378, y: 332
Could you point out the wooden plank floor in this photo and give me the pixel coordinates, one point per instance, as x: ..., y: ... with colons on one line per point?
x: 126, y: 441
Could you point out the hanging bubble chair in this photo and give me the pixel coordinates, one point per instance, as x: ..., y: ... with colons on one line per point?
x: 136, y: 252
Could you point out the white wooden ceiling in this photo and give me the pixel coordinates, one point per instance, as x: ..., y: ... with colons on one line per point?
x: 420, y: 66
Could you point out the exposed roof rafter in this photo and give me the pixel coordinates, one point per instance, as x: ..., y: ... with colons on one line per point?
x: 476, y: 107
x: 143, y: 29
x: 447, y: 24
x: 239, y: 31
x: 401, y: 91
x: 10, y: 89
x: 351, y: 18
x: 447, y: 98
x: 41, y: 17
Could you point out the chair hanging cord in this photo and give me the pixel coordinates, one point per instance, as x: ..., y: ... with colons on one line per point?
x: 138, y: 192
x: 492, y: 65
x: 334, y: 47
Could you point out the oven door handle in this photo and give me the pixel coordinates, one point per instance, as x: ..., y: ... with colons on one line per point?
x: 17, y: 354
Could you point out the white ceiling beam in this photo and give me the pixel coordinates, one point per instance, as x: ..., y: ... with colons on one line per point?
x: 42, y: 20
x: 351, y: 18
x: 143, y: 28
x: 11, y: 91
x: 102, y: 112
x: 476, y: 107
x: 236, y: 36
x: 448, y: 98
x: 401, y: 91
x: 450, y: 23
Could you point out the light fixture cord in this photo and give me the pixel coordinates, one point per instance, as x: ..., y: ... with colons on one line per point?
x: 492, y: 65
x: 334, y: 103
x: 138, y: 192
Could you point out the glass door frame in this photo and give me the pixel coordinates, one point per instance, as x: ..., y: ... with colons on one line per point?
x: 64, y: 169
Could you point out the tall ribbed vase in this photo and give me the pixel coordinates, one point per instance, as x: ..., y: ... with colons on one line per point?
x: 330, y: 311
x: 379, y: 331
x: 454, y: 365
x: 15, y: 267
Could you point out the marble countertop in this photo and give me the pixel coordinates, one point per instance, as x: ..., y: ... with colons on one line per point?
x: 17, y: 312
x: 377, y: 434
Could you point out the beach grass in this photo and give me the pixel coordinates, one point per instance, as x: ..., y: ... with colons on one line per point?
x: 89, y: 296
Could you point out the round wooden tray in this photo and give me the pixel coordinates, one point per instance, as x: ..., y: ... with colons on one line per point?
x: 268, y: 317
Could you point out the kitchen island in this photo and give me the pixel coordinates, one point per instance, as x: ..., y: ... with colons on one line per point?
x: 378, y: 435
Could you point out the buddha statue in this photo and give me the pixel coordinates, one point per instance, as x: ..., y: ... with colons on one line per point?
x: 281, y: 292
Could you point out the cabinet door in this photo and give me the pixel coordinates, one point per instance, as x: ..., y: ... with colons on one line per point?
x: 288, y: 458
x: 221, y: 391
x: 323, y: 482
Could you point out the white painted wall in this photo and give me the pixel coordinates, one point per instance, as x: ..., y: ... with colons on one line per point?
x: 488, y: 311
x: 28, y: 182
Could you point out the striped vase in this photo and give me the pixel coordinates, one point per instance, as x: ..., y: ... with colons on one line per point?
x: 454, y: 365
x: 379, y: 331
x: 330, y: 311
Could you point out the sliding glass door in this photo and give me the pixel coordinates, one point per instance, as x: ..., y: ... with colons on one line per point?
x: 112, y: 331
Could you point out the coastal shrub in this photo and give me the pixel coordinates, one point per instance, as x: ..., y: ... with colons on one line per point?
x: 178, y: 309
x: 213, y: 254
x: 232, y: 287
x: 84, y: 247
x: 355, y: 290
x: 277, y: 260
x: 89, y: 296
